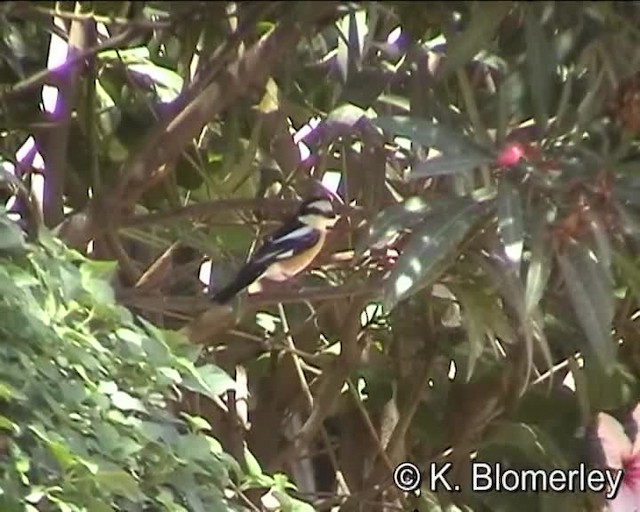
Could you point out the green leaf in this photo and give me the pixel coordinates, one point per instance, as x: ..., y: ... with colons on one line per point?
x: 591, y: 294
x: 130, y: 55
x: 208, y: 380
x: 485, y: 20
x: 98, y: 269
x: 539, y: 267
x: 630, y: 272
x: 510, y: 222
x: 93, y: 278
x: 11, y: 237
x: 133, y: 340
x: 168, y: 83
x: 394, y: 220
x: 9, y: 392
x: 121, y: 483
x: 602, y: 244
x: 125, y: 402
x: 430, y: 134
x: 531, y: 441
x: 346, y: 115
x: 108, y: 437
x: 96, y: 505
x: 430, y: 246
x: 448, y: 164
x: 630, y: 221
x: 428, y: 502
x: 193, y: 499
x: 541, y: 65
x: 196, y: 422
x: 7, y: 424
x: 60, y: 451
x: 172, y: 375
x: 473, y: 319
x: 193, y: 447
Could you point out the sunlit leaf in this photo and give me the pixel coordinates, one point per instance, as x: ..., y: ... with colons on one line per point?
x: 591, y: 294
x: 432, y: 134
x: 510, y: 222
x: 137, y: 54
x: 448, y: 164
x: 346, y: 115
x: 353, y: 28
x: 125, y: 402
x: 539, y: 267
x: 253, y: 465
x: 398, y: 218
x: 209, y: 380
x: 433, y: 242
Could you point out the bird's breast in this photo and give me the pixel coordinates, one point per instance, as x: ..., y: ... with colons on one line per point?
x: 287, y: 268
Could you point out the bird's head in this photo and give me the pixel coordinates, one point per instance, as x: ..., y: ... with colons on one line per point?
x: 318, y: 213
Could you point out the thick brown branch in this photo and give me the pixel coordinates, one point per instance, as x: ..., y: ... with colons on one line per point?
x: 54, y: 141
x: 250, y: 71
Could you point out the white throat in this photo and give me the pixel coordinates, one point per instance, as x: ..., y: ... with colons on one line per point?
x: 317, y: 222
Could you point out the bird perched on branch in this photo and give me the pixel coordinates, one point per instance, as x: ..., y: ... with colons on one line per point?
x: 287, y: 251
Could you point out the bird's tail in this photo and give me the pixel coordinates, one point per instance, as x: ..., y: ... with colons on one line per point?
x: 244, y: 278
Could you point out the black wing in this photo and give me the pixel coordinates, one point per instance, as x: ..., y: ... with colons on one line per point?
x: 283, y: 243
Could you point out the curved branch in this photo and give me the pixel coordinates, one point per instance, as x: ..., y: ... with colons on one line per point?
x: 250, y: 71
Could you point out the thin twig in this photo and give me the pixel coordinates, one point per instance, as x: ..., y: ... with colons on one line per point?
x: 96, y: 18
x: 309, y: 399
x: 47, y: 75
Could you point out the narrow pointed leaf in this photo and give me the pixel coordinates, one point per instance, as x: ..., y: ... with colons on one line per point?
x: 512, y: 291
x: 630, y: 272
x: 603, y: 245
x: 427, y: 133
x: 510, y: 222
x: 401, y: 217
x: 464, y: 46
x: 532, y: 441
x: 626, y: 190
x: 591, y: 295
x: 431, y: 245
x: 11, y: 238
x: 541, y: 64
x: 352, y: 28
x: 473, y: 319
x: 539, y: 268
x: 448, y: 164
x: 630, y: 221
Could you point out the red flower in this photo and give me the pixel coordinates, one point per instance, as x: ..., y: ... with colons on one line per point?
x: 510, y: 155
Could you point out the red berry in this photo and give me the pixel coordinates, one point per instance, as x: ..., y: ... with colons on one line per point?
x: 510, y: 155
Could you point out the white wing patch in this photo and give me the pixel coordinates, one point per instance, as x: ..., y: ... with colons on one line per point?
x: 301, y: 232
x: 275, y: 245
x: 287, y: 254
